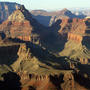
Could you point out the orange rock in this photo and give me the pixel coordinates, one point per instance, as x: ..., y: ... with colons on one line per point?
x: 75, y: 37
x: 83, y: 60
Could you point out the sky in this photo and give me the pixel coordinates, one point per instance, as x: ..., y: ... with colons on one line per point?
x: 52, y: 4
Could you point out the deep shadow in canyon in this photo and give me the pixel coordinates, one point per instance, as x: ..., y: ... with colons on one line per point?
x: 11, y: 81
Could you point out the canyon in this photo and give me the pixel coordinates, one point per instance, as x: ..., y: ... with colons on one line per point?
x: 48, y: 18
x: 35, y: 57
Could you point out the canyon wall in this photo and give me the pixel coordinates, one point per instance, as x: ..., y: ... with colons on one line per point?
x: 62, y: 81
x: 73, y: 25
x: 78, y: 37
x: 6, y: 9
x: 15, y: 30
x: 75, y: 37
x: 17, y: 27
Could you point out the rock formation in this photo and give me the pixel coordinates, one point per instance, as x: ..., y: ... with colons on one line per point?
x: 19, y: 25
x: 39, y: 65
x: 68, y: 82
x: 63, y: 81
x: 77, y: 31
x: 75, y: 37
x: 73, y: 25
x: 6, y: 9
x: 49, y: 18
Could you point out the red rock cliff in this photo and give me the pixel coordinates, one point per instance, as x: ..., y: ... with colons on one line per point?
x: 75, y: 37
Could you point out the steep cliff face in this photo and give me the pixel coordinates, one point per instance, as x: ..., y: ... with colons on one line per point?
x: 19, y: 25
x: 75, y: 37
x: 72, y: 29
x: 73, y: 25
x: 80, y: 33
x: 76, y: 29
x: 6, y: 9
x: 78, y: 37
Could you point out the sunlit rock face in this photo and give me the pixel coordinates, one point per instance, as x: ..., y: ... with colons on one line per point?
x: 78, y: 37
x: 20, y: 25
x: 17, y: 26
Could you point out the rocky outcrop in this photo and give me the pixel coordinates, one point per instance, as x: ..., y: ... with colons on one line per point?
x: 6, y: 8
x: 78, y: 37
x: 21, y: 25
x: 84, y: 60
x: 16, y: 26
x: 75, y: 37
x: 15, y: 30
x: 62, y: 81
x: 73, y: 25
x: 74, y: 29
x: 68, y: 82
x: 25, y: 76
